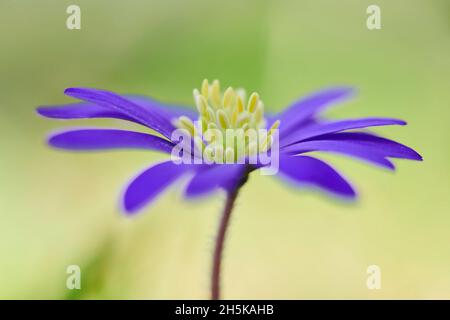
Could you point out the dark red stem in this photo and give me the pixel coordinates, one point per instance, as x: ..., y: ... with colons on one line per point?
x: 217, y: 258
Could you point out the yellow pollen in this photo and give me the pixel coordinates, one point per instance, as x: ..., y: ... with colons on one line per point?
x: 215, y: 93
x: 228, y: 97
x: 274, y: 126
x: 202, y: 105
x: 253, y: 102
x: 210, y: 115
x: 219, y: 112
x: 242, y: 119
x: 222, y: 119
x: 239, y: 104
x: 205, y: 88
x: 259, y: 112
x: 234, y: 117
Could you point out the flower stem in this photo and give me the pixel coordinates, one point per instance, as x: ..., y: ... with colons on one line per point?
x: 217, y: 258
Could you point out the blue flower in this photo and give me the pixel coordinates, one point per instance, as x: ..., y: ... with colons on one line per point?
x: 301, y: 131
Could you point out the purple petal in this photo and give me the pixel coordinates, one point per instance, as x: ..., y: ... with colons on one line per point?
x: 146, y: 116
x: 170, y: 110
x: 227, y: 176
x: 149, y: 184
x: 85, y: 110
x: 336, y: 126
x: 101, y: 139
x: 310, y: 171
x: 386, y: 147
x: 309, y: 106
x: 80, y: 110
x: 348, y: 148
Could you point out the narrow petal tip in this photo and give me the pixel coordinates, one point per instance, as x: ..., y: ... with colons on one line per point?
x: 69, y: 91
x: 52, y: 140
x: 83, y: 93
x: 50, y: 112
x: 351, y: 195
x: 414, y: 155
x: 41, y: 111
x: 128, y: 209
x: 347, y: 91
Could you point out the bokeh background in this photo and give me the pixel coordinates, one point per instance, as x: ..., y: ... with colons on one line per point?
x: 60, y: 208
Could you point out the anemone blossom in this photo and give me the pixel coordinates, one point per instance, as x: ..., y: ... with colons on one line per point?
x: 299, y: 130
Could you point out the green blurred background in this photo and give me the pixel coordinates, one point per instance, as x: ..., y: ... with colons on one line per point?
x: 59, y: 208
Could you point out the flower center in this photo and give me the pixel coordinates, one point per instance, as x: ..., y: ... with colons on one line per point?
x: 229, y: 126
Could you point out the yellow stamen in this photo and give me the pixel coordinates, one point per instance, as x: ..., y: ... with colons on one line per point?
x: 242, y: 118
x: 195, y: 93
x: 222, y: 119
x: 259, y: 113
x: 211, y: 115
x: 184, y: 122
x: 219, y: 112
x: 234, y: 116
x: 239, y: 104
x: 205, y: 88
x: 202, y: 105
x: 228, y: 97
x: 274, y: 126
x: 267, y: 142
x: 215, y: 93
x: 241, y: 93
x: 204, y: 125
x: 253, y: 102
